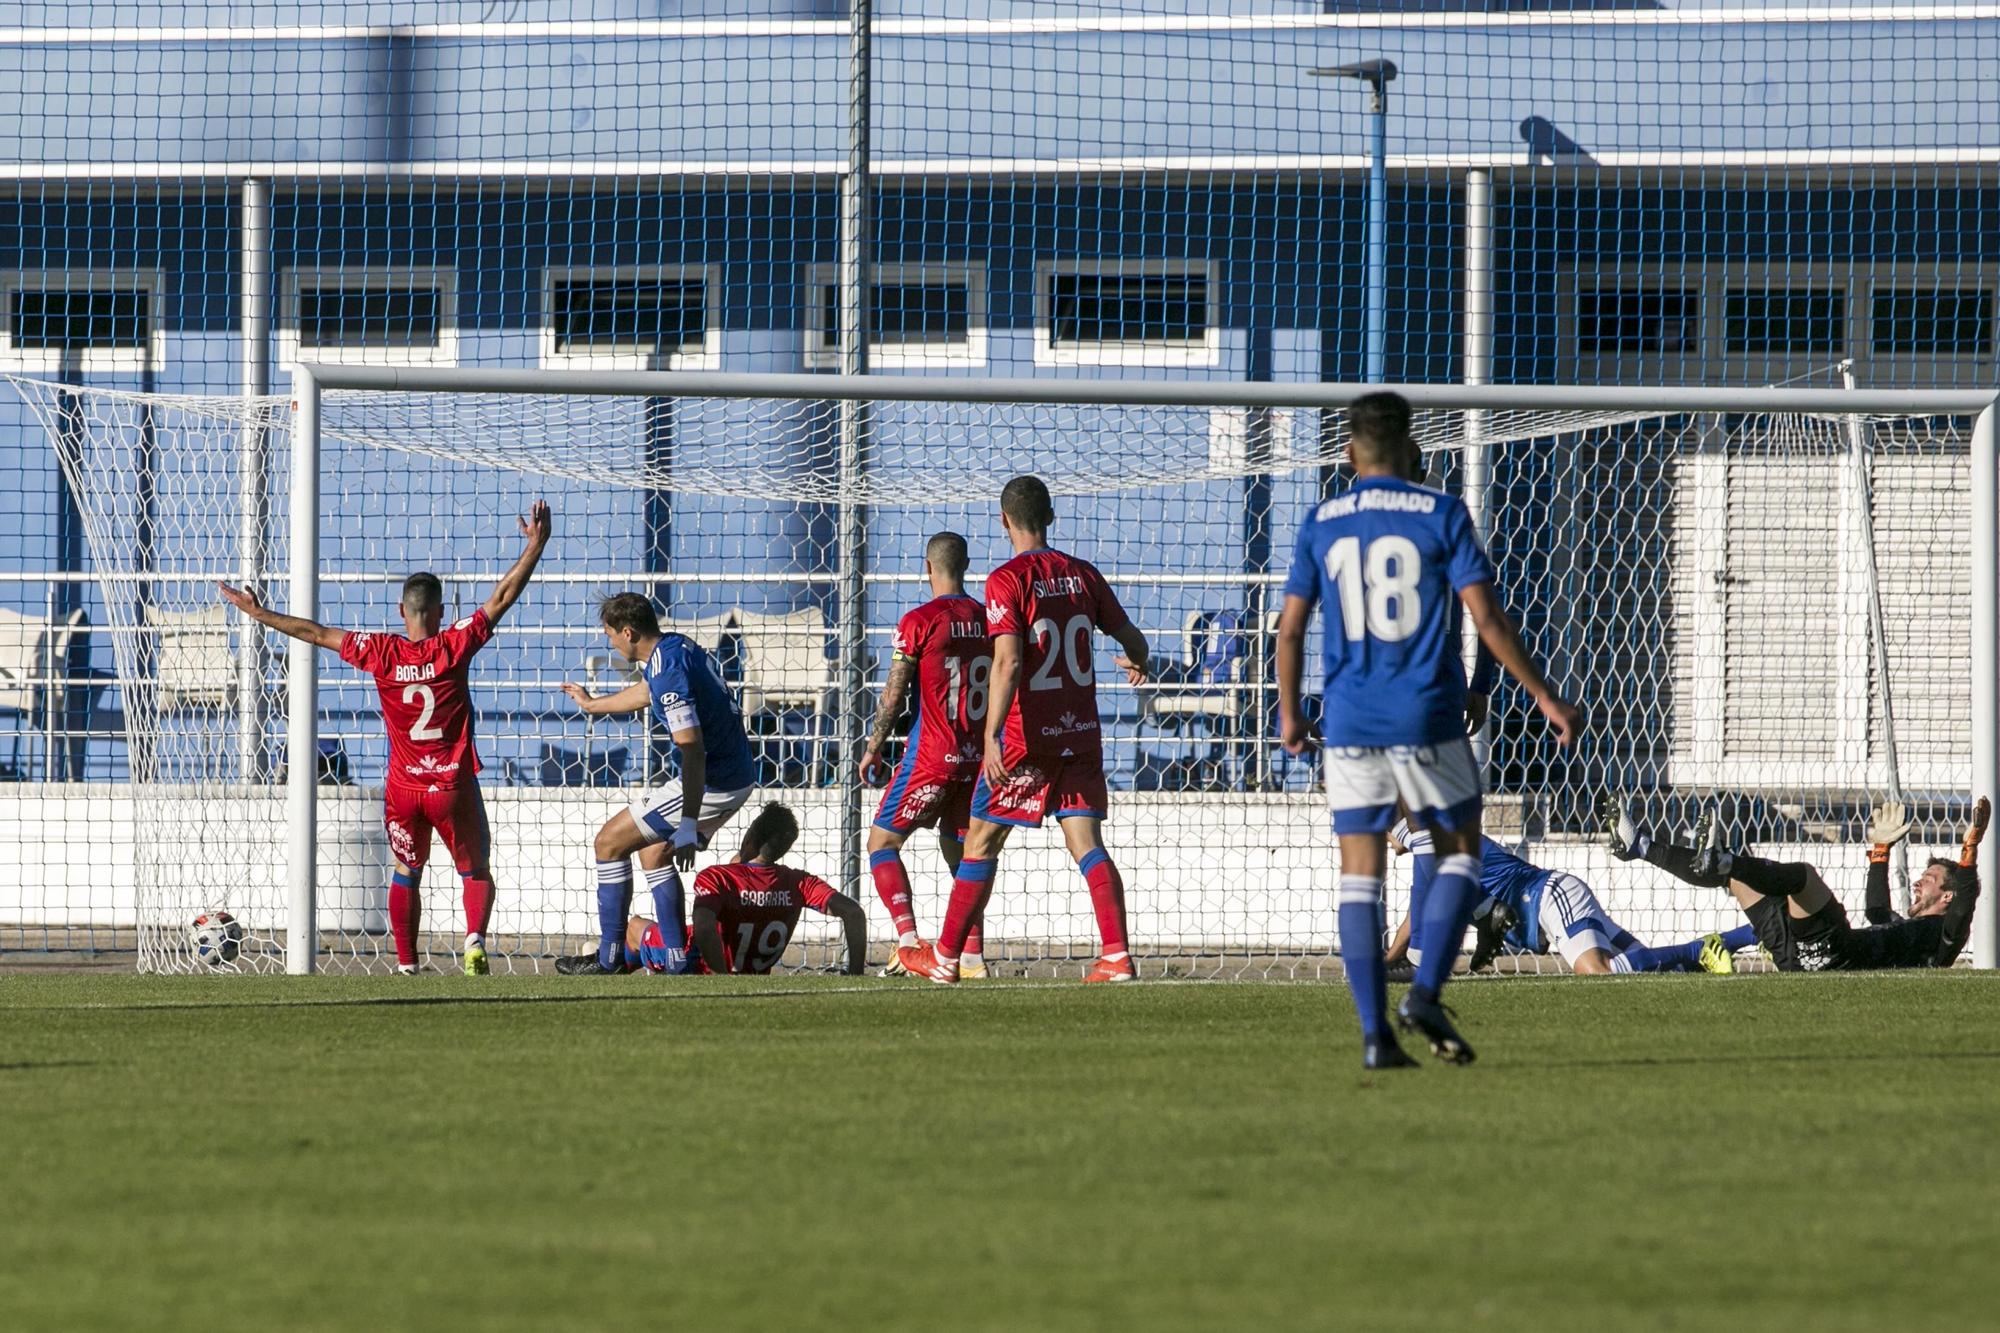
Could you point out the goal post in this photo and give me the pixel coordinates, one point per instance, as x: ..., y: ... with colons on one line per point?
x: 1685, y: 559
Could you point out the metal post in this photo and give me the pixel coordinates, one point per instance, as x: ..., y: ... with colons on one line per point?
x: 255, y: 322
x: 1858, y: 463
x: 852, y: 536
x: 302, y: 683
x: 1985, y: 656
x: 1376, y: 363
x: 1478, y: 369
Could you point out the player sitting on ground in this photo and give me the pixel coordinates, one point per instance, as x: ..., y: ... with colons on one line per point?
x: 745, y: 911
x: 1533, y: 909
x: 1391, y: 561
x: 667, y: 825
x: 433, y: 770
x: 1044, y: 747
x: 1797, y: 918
x: 942, y: 647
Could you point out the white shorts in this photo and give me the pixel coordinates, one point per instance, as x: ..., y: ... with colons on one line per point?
x: 1573, y: 922
x: 1439, y: 783
x: 658, y: 812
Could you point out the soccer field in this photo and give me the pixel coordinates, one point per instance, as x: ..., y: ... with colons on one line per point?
x: 817, y: 1153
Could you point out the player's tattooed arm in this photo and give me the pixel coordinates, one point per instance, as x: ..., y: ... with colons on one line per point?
x: 632, y: 699
x: 902, y: 671
x: 854, y: 926
x: 535, y: 529
x: 706, y: 933
x: 1497, y: 632
x: 307, y: 631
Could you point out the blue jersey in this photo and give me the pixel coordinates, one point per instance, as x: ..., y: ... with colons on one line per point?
x: 1503, y: 877
x: 688, y: 692
x: 1386, y: 561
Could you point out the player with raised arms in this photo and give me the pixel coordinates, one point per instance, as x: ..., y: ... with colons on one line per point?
x: 667, y: 825
x: 1392, y: 562
x: 433, y: 774
x: 746, y: 910
x: 940, y: 647
x: 1044, y: 750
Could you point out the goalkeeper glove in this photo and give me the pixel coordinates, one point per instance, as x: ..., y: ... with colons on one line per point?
x: 1968, y: 851
x: 1888, y: 825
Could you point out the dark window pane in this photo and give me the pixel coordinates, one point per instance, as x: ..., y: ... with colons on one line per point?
x: 939, y: 313
x: 1613, y: 320
x: 1935, y: 321
x: 664, y: 315
x: 43, y: 320
x: 363, y: 316
x: 1795, y: 320
x: 1129, y: 308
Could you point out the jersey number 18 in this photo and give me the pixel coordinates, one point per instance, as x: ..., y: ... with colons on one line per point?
x: 1378, y: 589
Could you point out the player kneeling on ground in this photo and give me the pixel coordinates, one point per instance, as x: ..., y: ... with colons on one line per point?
x: 666, y: 826
x: 745, y: 911
x: 1795, y: 915
x: 1534, y: 910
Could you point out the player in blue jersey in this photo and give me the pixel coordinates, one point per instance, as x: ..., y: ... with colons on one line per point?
x: 667, y: 825
x: 1536, y: 910
x: 1392, y: 562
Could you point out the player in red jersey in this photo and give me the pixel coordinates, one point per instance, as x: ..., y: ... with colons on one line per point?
x: 744, y: 912
x: 942, y: 647
x: 433, y: 767
x: 1043, y: 751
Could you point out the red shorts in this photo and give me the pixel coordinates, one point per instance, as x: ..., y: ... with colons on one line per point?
x: 457, y: 813
x: 928, y: 791
x: 1042, y: 785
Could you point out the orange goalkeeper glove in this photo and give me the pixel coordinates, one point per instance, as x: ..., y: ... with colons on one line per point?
x: 1968, y: 851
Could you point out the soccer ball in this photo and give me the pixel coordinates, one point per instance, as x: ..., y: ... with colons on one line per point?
x: 218, y: 938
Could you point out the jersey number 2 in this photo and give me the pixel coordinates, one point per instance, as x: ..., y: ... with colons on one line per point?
x: 1378, y: 589
x: 423, y: 730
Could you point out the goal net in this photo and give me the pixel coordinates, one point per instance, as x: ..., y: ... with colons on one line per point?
x: 1766, y: 613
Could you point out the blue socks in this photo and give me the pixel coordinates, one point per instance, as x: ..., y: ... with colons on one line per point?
x: 1447, y: 912
x: 665, y: 886
x: 1361, y: 952
x: 1740, y: 938
x: 614, y: 904
x: 1667, y: 958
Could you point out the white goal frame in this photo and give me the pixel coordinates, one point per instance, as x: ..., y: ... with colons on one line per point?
x: 309, y: 382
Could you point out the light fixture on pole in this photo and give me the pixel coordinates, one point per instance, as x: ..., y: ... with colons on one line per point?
x: 1377, y: 74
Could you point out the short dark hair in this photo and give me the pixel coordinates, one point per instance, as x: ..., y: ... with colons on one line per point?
x: 1958, y: 880
x: 772, y: 833
x: 1378, y: 425
x: 422, y: 593
x: 1026, y: 501
x: 629, y: 610
x: 946, y: 550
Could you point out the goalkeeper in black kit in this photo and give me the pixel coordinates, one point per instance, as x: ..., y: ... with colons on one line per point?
x: 1797, y: 918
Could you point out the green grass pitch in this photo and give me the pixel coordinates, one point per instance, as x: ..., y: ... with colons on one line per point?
x: 329, y: 1153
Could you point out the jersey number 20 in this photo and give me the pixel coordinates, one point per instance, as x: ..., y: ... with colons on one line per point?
x: 1378, y: 588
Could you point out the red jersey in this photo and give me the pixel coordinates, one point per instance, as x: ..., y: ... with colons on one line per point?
x: 1053, y: 601
x: 946, y: 638
x: 424, y: 699
x: 756, y: 909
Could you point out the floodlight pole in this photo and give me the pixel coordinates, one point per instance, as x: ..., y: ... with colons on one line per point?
x: 1377, y: 74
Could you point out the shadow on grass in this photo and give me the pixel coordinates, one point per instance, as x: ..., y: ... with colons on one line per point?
x: 21, y: 1066
x: 388, y: 1001
x: 1788, y: 1058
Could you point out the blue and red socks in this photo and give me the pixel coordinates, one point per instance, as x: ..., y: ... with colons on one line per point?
x: 1107, y: 899
x: 892, y: 886
x: 970, y: 889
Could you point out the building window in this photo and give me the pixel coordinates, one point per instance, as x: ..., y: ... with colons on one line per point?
x: 1786, y: 320
x: 630, y: 319
x: 372, y: 317
x: 67, y: 323
x: 919, y: 315
x: 1932, y: 321
x: 1147, y: 313
x: 1624, y: 321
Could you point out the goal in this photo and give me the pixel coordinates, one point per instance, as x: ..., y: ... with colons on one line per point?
x: 1778, y: 603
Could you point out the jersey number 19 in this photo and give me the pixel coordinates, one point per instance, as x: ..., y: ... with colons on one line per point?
x: 1378, y: 588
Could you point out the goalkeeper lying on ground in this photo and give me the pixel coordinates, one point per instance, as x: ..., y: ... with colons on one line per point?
x: 1797, y: 918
